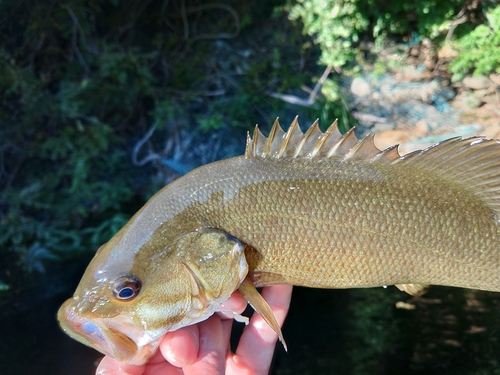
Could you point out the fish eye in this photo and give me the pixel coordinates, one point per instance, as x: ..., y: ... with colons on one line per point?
x: 126, y: 288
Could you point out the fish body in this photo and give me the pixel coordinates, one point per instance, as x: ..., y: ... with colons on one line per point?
x: 316, y: 209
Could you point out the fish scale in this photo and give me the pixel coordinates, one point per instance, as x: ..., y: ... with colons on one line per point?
x: 413, y: 228
x: 313, y: 209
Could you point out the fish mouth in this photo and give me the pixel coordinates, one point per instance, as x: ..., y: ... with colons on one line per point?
x: 118, y: 337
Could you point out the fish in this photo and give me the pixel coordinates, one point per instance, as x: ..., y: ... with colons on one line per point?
x: 315, y: 209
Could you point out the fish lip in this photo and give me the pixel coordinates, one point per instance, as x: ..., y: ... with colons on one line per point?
x: 117, y: 337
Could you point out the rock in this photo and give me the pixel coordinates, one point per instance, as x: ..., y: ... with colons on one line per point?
x: 493, y: 98
x: 414, y: 51
x: 380, y: 127
x: 465, y: 101
x: 426, y: 42
x: 447, y: 53
x: 389, y: 138
x: 428, y: 91
x: 412, y: 73
x: 360, y: 87
x: 421, y: 128
x: 481, y: 93
x: 445, y: 91
x: 477, y: 82
x: 429, y: 64
x: 495, y: 78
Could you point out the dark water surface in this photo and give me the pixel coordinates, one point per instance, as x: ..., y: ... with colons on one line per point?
x: 32, y: 343
x: 450, y: 331
x: 361, y: 331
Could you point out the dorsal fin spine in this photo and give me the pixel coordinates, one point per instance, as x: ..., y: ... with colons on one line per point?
x: 472, y: 162
x: 271, y: 138
x: 363, y: 149
x: 314, y: 143
x: 308, y: 137
x: 321, y: 141
x: 249, y: 146
x: 388, y: 155
x: 337, y: 146
x: 292, y: 132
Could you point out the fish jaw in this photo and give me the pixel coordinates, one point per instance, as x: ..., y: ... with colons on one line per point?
x: 118, y: 337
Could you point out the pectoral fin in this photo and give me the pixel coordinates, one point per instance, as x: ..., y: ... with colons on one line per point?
x: 259, y: 304
x: 413, y: 289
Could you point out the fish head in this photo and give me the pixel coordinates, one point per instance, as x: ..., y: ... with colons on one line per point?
x: 123, y: 306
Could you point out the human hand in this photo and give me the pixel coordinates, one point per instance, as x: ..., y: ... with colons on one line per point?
x: 203, y: 348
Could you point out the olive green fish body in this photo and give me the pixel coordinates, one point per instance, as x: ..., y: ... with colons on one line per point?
x: 349, y: 223
x: 315, y: 209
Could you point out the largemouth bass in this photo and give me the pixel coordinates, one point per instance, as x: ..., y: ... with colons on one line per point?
x: 317, y: 209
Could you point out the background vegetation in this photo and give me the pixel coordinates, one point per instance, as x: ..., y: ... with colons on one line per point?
x: 84, y: 84
x: 82, y: 81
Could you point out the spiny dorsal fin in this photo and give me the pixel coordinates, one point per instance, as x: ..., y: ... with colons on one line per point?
x: 388, y: 155
x: 314, y: 143
x: 473, y: 162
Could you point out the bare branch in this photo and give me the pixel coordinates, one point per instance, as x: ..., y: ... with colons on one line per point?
x: 137, y: 148
x: 461, y: 18
x: 318, y: 85
x: 92, y: 49
x: 366, y: 117
x: 199, y: 8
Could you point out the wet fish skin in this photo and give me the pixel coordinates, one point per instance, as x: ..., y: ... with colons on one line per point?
x: 183, y: 282
x: 315, y: 209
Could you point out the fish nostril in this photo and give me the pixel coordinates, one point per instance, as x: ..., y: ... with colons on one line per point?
x: 90, y: 328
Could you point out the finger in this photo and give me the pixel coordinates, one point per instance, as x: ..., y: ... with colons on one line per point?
x: 157, y: 358
x: 235, y: 304
x: 163, y: 368
x: 157, y: 365
x: 181, y: 347
x: 227, y: 326
x: 109, y: 366
x: 256, y: 347
x: 213, y: 349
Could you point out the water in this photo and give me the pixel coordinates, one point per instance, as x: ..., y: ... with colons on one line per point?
x: 451, y: 330
x: 32, y: 343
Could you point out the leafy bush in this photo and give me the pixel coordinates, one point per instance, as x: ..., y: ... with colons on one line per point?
x: 419, y: 19
x: 346, y: 30
x: 479, y: 51
x: 336, y: 26
x: 339, y: 27
x: 82, y: 81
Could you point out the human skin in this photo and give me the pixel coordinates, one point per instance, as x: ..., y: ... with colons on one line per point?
x: 203, y: 348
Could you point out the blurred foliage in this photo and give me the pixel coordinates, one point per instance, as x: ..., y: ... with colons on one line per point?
x: 347, y: 30
x: 335, y: 25
x: 81, y: 81
x: 479, y: 51
x: 341, y: 27
x: 422, y: 18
